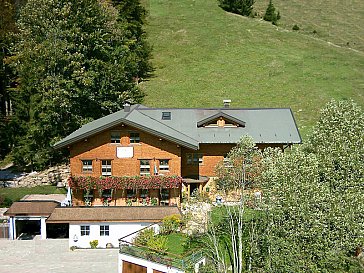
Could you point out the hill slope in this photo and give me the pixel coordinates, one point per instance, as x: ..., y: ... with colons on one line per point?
x: 203, y: 55
x: 338, y: 22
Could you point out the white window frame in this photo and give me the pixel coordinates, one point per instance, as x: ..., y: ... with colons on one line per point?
x: 106, y: 168
x: 87, y: 168
x: 144, y: 168
x: 85, y: 230
x: 115, y: 137
x: 104, y: 230
x: 163, y: 167
x: 134, y: 137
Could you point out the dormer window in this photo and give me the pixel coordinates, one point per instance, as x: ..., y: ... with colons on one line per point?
x: 166, y: 115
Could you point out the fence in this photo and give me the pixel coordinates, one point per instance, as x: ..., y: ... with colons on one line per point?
x: 4, y: 229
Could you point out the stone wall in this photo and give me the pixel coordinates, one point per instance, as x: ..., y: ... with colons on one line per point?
x: 56, y: 175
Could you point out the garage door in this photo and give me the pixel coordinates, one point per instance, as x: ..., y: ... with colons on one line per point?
x: 27, y: 229
x: 129, y: 267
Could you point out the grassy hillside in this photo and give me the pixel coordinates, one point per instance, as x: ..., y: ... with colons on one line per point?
x: 338, y: 22
x: 203, y: 55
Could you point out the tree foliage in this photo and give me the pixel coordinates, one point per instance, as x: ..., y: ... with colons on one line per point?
x: 77, y: 61
x: 315, y: 196
x: 243, y: 160
x: 7, y: 30
x: 271, y: 15
x: 242, y: 7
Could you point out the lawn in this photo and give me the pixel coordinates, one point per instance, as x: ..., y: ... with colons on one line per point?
x: 203, y: 55
x: 15, y: 194
x: 175, y: 242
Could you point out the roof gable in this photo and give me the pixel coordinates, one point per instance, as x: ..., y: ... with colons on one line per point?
x: 220, y: 114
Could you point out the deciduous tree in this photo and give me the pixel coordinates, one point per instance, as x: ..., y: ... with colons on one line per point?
x: 315, y: 196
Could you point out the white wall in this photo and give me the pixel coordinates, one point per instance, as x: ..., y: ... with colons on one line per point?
x: 148, y: 264
x: 116, y: 231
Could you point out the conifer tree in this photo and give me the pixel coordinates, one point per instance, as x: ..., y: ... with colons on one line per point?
x: 270, y: 14
x: 76, y: 62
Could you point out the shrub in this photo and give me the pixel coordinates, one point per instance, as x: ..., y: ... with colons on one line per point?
x: 5, y: 202
x: 158, y: 243
x: 295, y: 27
x: 171, y: 224
x: 242, y: 7
x: 144, y: 237
x: 94, y: 243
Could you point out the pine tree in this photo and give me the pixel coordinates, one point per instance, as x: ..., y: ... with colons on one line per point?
x: 270, y: 14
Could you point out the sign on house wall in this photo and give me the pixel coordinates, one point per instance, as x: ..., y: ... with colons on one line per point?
x: 124, y: 152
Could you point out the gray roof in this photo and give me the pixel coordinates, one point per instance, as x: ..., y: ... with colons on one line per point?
x: 264, y: 125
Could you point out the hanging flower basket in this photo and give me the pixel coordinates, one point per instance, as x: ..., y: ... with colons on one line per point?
x: 124, y: 182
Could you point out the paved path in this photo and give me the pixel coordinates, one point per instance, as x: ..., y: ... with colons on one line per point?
x: 54, y: 256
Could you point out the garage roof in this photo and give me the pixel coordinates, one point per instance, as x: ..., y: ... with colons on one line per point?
x: 31, y: 208
x: 111, y: 214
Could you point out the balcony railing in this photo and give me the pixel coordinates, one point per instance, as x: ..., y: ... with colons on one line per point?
x: 183, y: 262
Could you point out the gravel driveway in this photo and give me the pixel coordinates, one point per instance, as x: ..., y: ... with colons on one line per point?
x: 54, y: 256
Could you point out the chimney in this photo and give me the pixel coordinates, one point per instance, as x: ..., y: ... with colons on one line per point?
x: 227, y: 103
x: 126, y: 106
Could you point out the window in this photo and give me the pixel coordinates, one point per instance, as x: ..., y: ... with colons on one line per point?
x: 131, y: 193
x: 144, y: 167
x: 106, y: 193
x: 104, y: 231
x: 134, y: 138
x: 85, y: 230
x: 105, y: 167
x: 164, y: 197
x: 115, y: 137
x: 194, y: 159
x: 166, y: 115
x: 87, y: 166
x: 144, y: 193
x: 163, y: 165
x: 227, y: 162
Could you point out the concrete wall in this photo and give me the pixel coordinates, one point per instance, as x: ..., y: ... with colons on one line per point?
x: 116, y: 231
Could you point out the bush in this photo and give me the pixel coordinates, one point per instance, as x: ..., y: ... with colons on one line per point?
x: 242, y: 7
x: 94, y: 243
x: 144, y: 237
x: 171, y: 224
x: 158, y: 243
x: 295, y: 27
x: 5, y: 202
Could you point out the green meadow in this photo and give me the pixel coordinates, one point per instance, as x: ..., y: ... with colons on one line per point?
x: 203, y: 55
